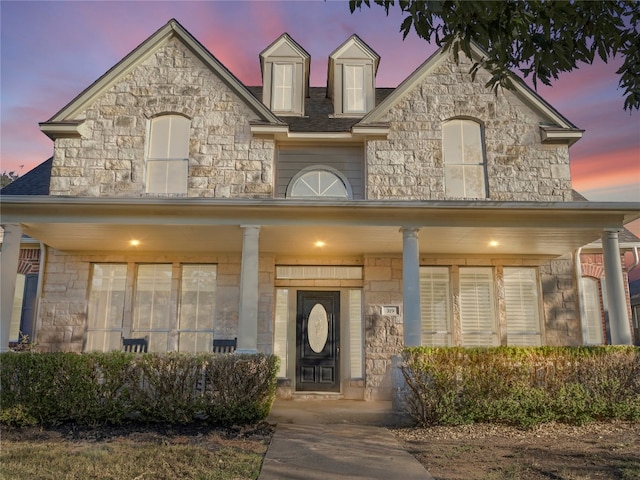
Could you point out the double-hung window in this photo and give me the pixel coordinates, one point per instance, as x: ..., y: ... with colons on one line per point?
x: 282, y: 87
x: 106, y: 307
x: 168, y: 158
x: 522, y: 308
x: 464, y: 163
x: 592, y: 317
x: 197, y: 307
x: 152, y: 305
x: 354, y: 89
x: 435, y: 306
x: 477, y: 307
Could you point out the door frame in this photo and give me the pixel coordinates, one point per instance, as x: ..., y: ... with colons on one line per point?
x: 332, y: 342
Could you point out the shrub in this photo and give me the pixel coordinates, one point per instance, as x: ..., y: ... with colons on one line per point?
x: 522, y: 386
x: 118, y: 387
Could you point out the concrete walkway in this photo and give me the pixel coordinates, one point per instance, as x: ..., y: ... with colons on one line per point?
x: 337, y: 439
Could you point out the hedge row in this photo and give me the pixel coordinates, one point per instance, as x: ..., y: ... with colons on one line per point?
x: 117, y: 387
x: 522, y: 386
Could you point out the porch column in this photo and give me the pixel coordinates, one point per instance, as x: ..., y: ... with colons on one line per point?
x: 248, y: 313
x: 618, y: 315
x: 411, y: 287
x: 8, y: 275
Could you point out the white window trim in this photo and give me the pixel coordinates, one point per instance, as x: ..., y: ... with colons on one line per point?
x: 314, y: 169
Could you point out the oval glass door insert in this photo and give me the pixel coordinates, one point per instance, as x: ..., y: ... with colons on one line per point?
x: 318, y: 328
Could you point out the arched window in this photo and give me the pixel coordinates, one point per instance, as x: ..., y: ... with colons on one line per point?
x: 168, y: 157
x: 464, y: 163
x: 592, y: 317
x: 319, y: 182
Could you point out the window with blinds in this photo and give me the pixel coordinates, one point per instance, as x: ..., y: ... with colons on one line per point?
x: 280, y: 330
x: 522, y: 306
x: 106, y: 307
x: 477, y: 307
x: 197, y: 308
x: 435, y: 306
x: 464, y: 163
x: 168, y: 159
x: 592, y: 318
x: 152, y: 305
x: 355, y: 334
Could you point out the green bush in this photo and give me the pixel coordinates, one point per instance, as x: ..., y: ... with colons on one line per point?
x: 118, y: 387
x: 522, y: 386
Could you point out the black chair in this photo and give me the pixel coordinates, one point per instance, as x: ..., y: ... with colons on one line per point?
x: 135, y: 345
x: 221, y: 345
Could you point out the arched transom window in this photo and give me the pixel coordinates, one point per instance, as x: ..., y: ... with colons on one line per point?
x: 319, y: 182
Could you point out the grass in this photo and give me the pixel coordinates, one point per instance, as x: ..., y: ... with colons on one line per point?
x: 204, y: 457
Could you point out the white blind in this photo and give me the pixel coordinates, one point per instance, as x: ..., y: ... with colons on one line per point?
x: 592, y: 321
x: 522, y: 307
x: 463, y: 155
x: 197, y: 308
x: 477, y: 307
x: 435, y: 306
x: 152, y: 305
x: 355, y: 333
x: 106, y: 307
x: 168, y: 159
x: 280, y: 329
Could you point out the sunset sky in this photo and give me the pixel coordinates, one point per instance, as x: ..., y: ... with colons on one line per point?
x: 51, y: 51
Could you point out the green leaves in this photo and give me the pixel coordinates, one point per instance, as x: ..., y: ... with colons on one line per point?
x: 536, y: 38
x: 118, y: 387
x: 522, y: 386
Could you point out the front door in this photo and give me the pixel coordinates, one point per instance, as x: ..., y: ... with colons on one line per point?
x: 317, y: 341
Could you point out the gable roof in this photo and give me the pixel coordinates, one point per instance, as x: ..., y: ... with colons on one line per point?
x: 63, y: 123
x: 285, y: 39
x: 557, y: 122
x: 34, y: 182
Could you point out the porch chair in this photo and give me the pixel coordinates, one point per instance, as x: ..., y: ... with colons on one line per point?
x: 135, y: 345
x: 225, y: 345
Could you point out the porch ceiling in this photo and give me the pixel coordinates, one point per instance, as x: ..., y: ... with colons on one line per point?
x: 292, y: 227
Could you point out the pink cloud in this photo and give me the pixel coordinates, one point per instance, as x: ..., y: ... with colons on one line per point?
x: 594, y: 172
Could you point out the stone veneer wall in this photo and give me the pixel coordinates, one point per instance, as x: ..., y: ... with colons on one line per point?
x: 109, y: 159
x: 62, y: 320
x: 384, y: 335
x: 409, y: 165
x: 560, y: 300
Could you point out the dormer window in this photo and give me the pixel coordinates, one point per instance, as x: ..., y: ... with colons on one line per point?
x: 282, y: 87
x: 354, y: 91
x: 351, y: 78
x: 285, y: 76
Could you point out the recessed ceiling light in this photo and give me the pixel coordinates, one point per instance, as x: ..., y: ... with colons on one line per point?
x: 134, y: 242
x: 493, y: 243
x: 319, y: 244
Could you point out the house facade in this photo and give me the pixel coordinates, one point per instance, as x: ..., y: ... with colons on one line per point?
x: 330, y: 226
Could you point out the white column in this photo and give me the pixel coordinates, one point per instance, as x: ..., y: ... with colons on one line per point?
x: 616, y: 297
x: 248, y: 314
x: 411, y: 287
x: 8, y: 275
